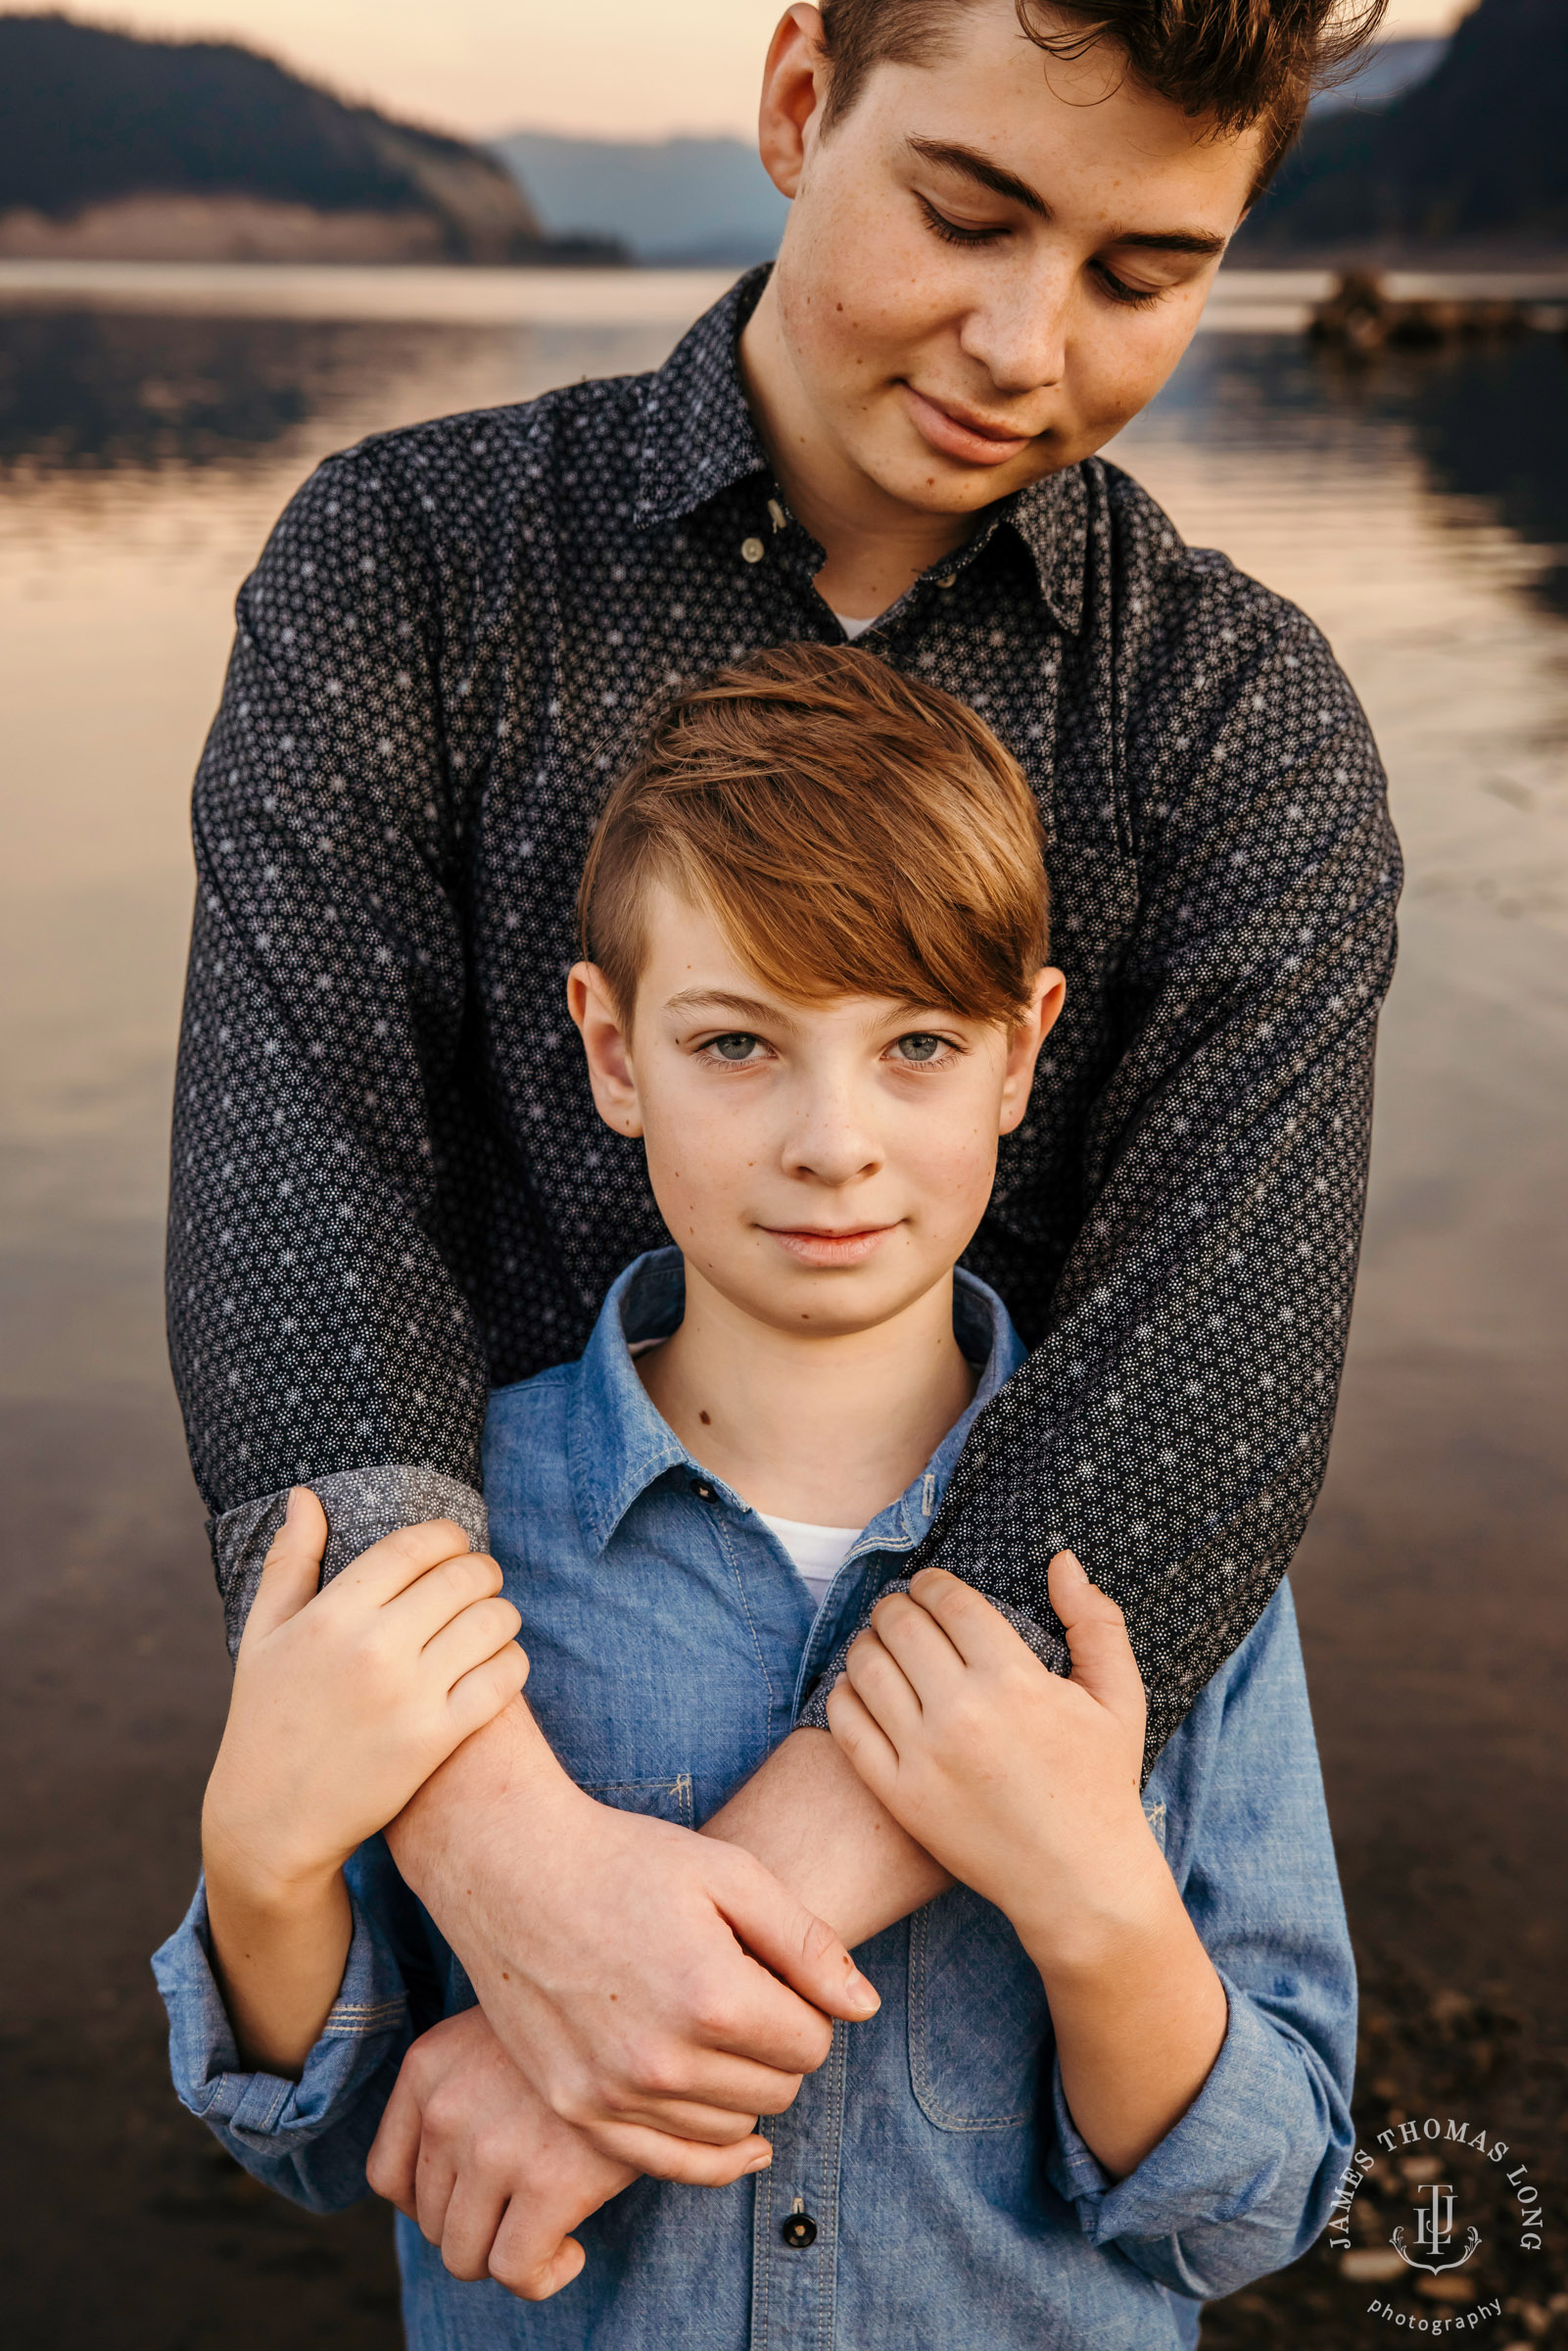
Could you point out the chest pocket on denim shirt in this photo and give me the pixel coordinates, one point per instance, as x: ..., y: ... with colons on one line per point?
x: 660, y: 1800
x: 980, y: 2030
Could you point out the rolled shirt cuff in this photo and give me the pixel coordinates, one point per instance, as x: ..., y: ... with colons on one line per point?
x: 263, y: 2112
x: 1237, y: 2154
x: 361, y: 1506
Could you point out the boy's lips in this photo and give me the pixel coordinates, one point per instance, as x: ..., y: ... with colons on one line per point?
x: 963, y: 433
x: 811, y: 1247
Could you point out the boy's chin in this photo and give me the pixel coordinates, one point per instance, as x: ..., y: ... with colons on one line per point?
x: 906, y: 468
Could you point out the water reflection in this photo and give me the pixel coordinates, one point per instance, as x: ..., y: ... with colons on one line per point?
x: 104, y: 389
x: 85, y: 388
x: 1487, y: 423
x: 1494, y: 424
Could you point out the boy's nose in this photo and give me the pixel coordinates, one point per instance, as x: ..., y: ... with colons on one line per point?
x: 832, y: 1145
x: 1021, y: 335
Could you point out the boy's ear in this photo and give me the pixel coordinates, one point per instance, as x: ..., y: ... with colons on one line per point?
x: 1046, y: 1001
x: 608, y: 1046
x: 794, y: 86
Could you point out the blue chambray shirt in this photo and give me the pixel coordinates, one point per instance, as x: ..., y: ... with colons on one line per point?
x: 953, y: 2200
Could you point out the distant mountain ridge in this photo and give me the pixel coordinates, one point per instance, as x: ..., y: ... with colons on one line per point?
x: 1475, y: 155
x: 693, y: 201
x: 1384, y: 72
x: 709, y: 201
x: 208, y: 149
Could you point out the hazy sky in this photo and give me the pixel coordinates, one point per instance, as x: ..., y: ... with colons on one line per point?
x: 628, y: 68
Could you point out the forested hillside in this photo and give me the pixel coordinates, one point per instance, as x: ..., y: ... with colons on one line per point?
x: 1477, y: 153
x: 98, y: 127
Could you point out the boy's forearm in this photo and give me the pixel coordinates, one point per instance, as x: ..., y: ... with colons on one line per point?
x: 278, y: 1954
x: 494, y: 1784
x: 1139, y: 2015
x: 809, y: 1817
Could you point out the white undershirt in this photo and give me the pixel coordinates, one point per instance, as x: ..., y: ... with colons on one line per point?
x: 852, y: 627
x: 818, y: 1552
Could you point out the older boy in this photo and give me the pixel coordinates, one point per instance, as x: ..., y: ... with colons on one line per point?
x: 1070, y: 2118
x: 389, y: 1190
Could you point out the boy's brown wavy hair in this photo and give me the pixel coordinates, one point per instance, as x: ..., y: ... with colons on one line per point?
x: 852, y: 831
x: 1236, y: 63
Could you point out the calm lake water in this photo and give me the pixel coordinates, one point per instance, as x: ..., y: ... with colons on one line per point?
x: 152, y: 424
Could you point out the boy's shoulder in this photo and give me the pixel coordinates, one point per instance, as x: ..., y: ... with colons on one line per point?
x: 464, y: 480
x: 1161, y: 581
x: 543, y: 1400
x: 1254, y: 1714
x: 526, y: 1454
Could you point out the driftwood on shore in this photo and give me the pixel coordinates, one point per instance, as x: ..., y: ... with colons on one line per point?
x: 1362, y: 317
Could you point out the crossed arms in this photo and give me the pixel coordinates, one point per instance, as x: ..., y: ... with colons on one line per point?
x: 511, y: 2123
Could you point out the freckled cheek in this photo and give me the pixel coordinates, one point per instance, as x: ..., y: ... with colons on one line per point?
x: 953, y: 1177
x: 877, y: 318
x: 1106, y: 388
x: 690, y: 1168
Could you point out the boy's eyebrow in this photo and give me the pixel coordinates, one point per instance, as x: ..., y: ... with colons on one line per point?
x: 973, y: 164
x: 977, y: 166
x: 720, y: 1000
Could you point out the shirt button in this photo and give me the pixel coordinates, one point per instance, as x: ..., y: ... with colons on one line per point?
x: 799, y: 2231
x: 752, y: 549
x: 703, y: 1493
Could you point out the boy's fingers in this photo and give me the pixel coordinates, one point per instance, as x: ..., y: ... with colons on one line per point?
x: 390, y: 2162
x: 473, y: 2222
x: 861, y: 1738
x: 1103, y: 1662
x: 978, y: 1631
x: 882, y: 1683
x: 692, y: 2162
x: 291, y: 1573
x: 796, y: 1946
x: 486, y: 1690
x: 434, y: 2178
x: 922, y: 1645
x: 400, y: 1559
x: 479, y: 1631
x: 517, y: 2267
x: 438, y: 1599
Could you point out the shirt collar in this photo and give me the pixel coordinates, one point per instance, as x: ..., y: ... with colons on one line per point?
x: 620, y: 1445
x: 698, y: 440
x: 697, y: 433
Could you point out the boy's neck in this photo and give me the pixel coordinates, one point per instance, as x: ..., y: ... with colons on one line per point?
x: 876, y: 545
x: 828, y: 1430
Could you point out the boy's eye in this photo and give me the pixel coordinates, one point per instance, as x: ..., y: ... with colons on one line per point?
x: 1133, y: 298
x: 737, y: 1047
x: 954, y: 233
x: 920, y: 1047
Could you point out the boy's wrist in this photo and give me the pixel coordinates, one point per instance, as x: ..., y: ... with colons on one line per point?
x: 505, y: 1773
x: 1078, y: 1933
x: 270, y: 1884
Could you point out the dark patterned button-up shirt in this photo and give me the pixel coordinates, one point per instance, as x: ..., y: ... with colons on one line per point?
x: 391, y: 1191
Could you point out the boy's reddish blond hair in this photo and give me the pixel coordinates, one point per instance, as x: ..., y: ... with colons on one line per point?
x: 851, y: 830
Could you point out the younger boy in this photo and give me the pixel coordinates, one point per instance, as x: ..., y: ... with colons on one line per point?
x: 1107, y: 2072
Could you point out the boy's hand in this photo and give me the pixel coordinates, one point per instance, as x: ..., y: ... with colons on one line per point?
x: 484, y: 2169
x: 660, y: 1989
x: 1026, y: 1786
x: 344, y: 1700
